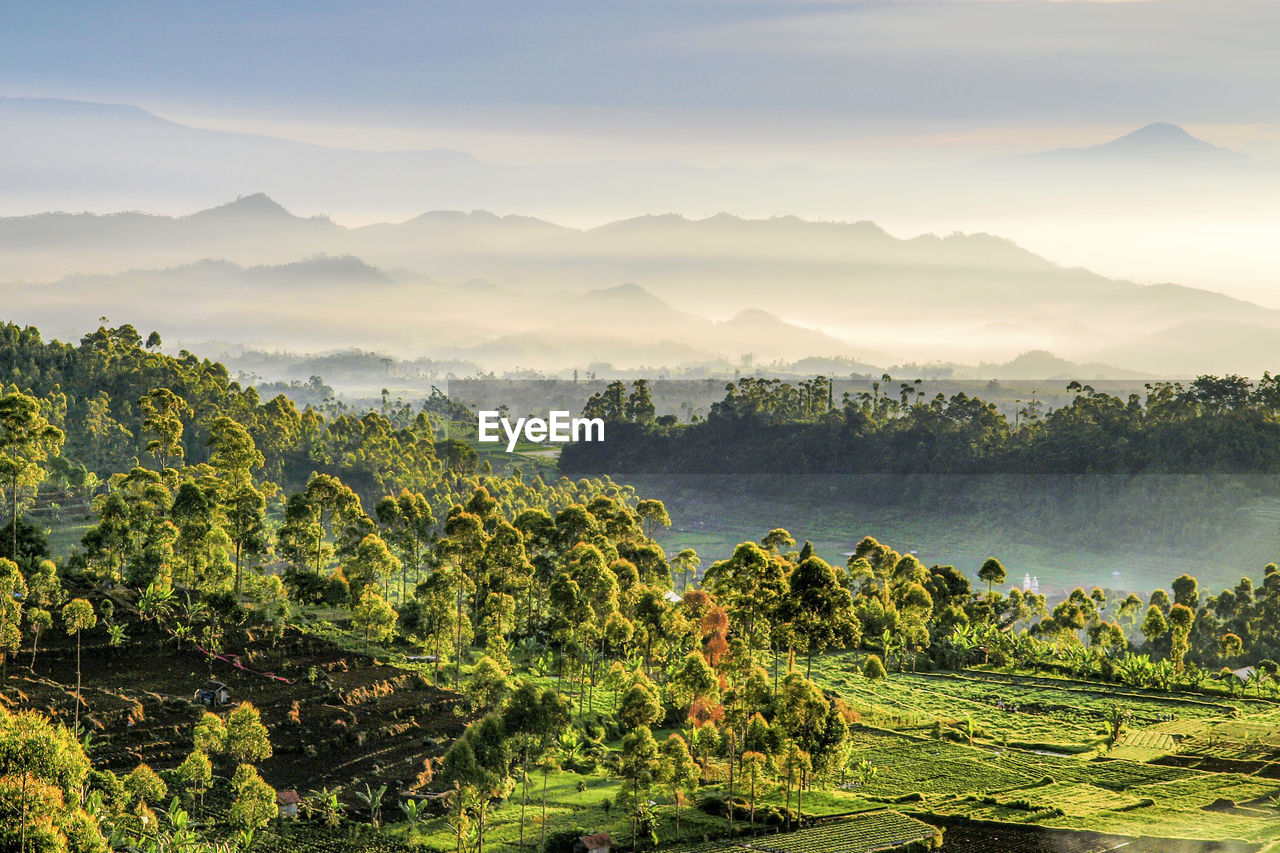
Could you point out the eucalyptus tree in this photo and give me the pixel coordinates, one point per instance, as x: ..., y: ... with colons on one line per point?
x: 162, y: 419
x: 534, y: 718
x: 409, y: 526
x: 819, y: 604
x: 27, y: 440
x: 638, y: 768
x: 78, y: 617
x: 678, y: 772
x: 13, y: 590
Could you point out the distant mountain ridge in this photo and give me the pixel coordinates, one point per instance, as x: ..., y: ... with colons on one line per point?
x: 456, y: 283
x: 1159, y: 146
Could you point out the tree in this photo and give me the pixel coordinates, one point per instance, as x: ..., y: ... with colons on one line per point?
x: 27, y: 440
x: 247, y: 739
x: 874, y: 669
x: 409, y: 526
x: 13, y: 589
x: 435, y: 601
x: 192, y: 514
x: 374, y: 616
x: 162, y: 414
x: 39, y: 620
x: 639, y: 705
x: 795, y: 767
x: 1181, y: 619
x: 819, y: 604
x: 255, y: 801
x: 43, y: 769
x: 78, y: 617
x: 488, y: 686
x: 245, y: 511
x: 1154, y: 625
x: 637, y: 768
x: 233, y: 453
x: 1186, y: 591
x: 480, y: 760
x: 654, y: 514
x: 195, y: 773
x: 144, y: 785
x: 535, y: 719
x: 210, y: 734
x: 372, y: 564
x: 755, y: 768
x: 686, y: 565
x: 993, y: 573
x: 678, y: 772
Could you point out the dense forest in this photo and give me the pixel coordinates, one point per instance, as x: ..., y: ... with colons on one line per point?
x: 217, y: 521
x: 1218, y: 425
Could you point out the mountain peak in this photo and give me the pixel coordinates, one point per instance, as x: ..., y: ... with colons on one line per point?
x: 1158, y: 130
x: 258, y: 205
x: 1162, y: 139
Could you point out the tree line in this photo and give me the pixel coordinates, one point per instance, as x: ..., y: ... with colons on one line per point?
x: 1225, y: 424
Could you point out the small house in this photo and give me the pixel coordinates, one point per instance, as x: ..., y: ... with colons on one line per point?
x: 213, y: 694
x: 1243, y: 674
x: 287, y: 803
x: 598, y: 843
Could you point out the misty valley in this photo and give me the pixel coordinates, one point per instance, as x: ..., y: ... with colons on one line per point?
x: 710, y: 535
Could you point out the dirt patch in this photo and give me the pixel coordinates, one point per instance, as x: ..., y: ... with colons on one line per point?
x: 345, y: 720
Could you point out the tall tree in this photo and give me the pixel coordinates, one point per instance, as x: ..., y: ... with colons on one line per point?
x: 678, y: 772
x: 162, y: 414
x: 78, y: 617
x: 27, y: 440
x: 819, y: 603
x: 638, y: 769
x: 13, y: 590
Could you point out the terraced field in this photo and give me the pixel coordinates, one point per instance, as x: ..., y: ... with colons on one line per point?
x: 1034, y: 712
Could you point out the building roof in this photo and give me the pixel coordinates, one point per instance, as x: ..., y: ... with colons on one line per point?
x: 595, y: 842
x: 287, y: 798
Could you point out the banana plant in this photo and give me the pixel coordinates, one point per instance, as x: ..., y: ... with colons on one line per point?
x: 372, y: 798
x: 414, y: 812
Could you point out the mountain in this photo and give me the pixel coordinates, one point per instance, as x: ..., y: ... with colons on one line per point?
x: 95, y: 156
x: 1196, y: 347
x: 1158, y: 145
x: 449, y: 279
x: 323, y: 302
x: 1111, y: 206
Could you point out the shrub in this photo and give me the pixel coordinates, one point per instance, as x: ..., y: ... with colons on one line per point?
x: 563, y: 840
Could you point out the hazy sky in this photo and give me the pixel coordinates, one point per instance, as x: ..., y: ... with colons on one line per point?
x: 703, y: 80
x: 844, y: 86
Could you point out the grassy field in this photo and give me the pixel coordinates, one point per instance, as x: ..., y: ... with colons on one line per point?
x: 1051, y: 714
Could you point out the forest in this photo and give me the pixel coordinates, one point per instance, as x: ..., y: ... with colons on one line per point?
x: 1212, y: 424
x: 421, y: 652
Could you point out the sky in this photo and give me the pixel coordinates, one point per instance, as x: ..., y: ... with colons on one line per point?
x: 843, y: 86
x: 712, y: 82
